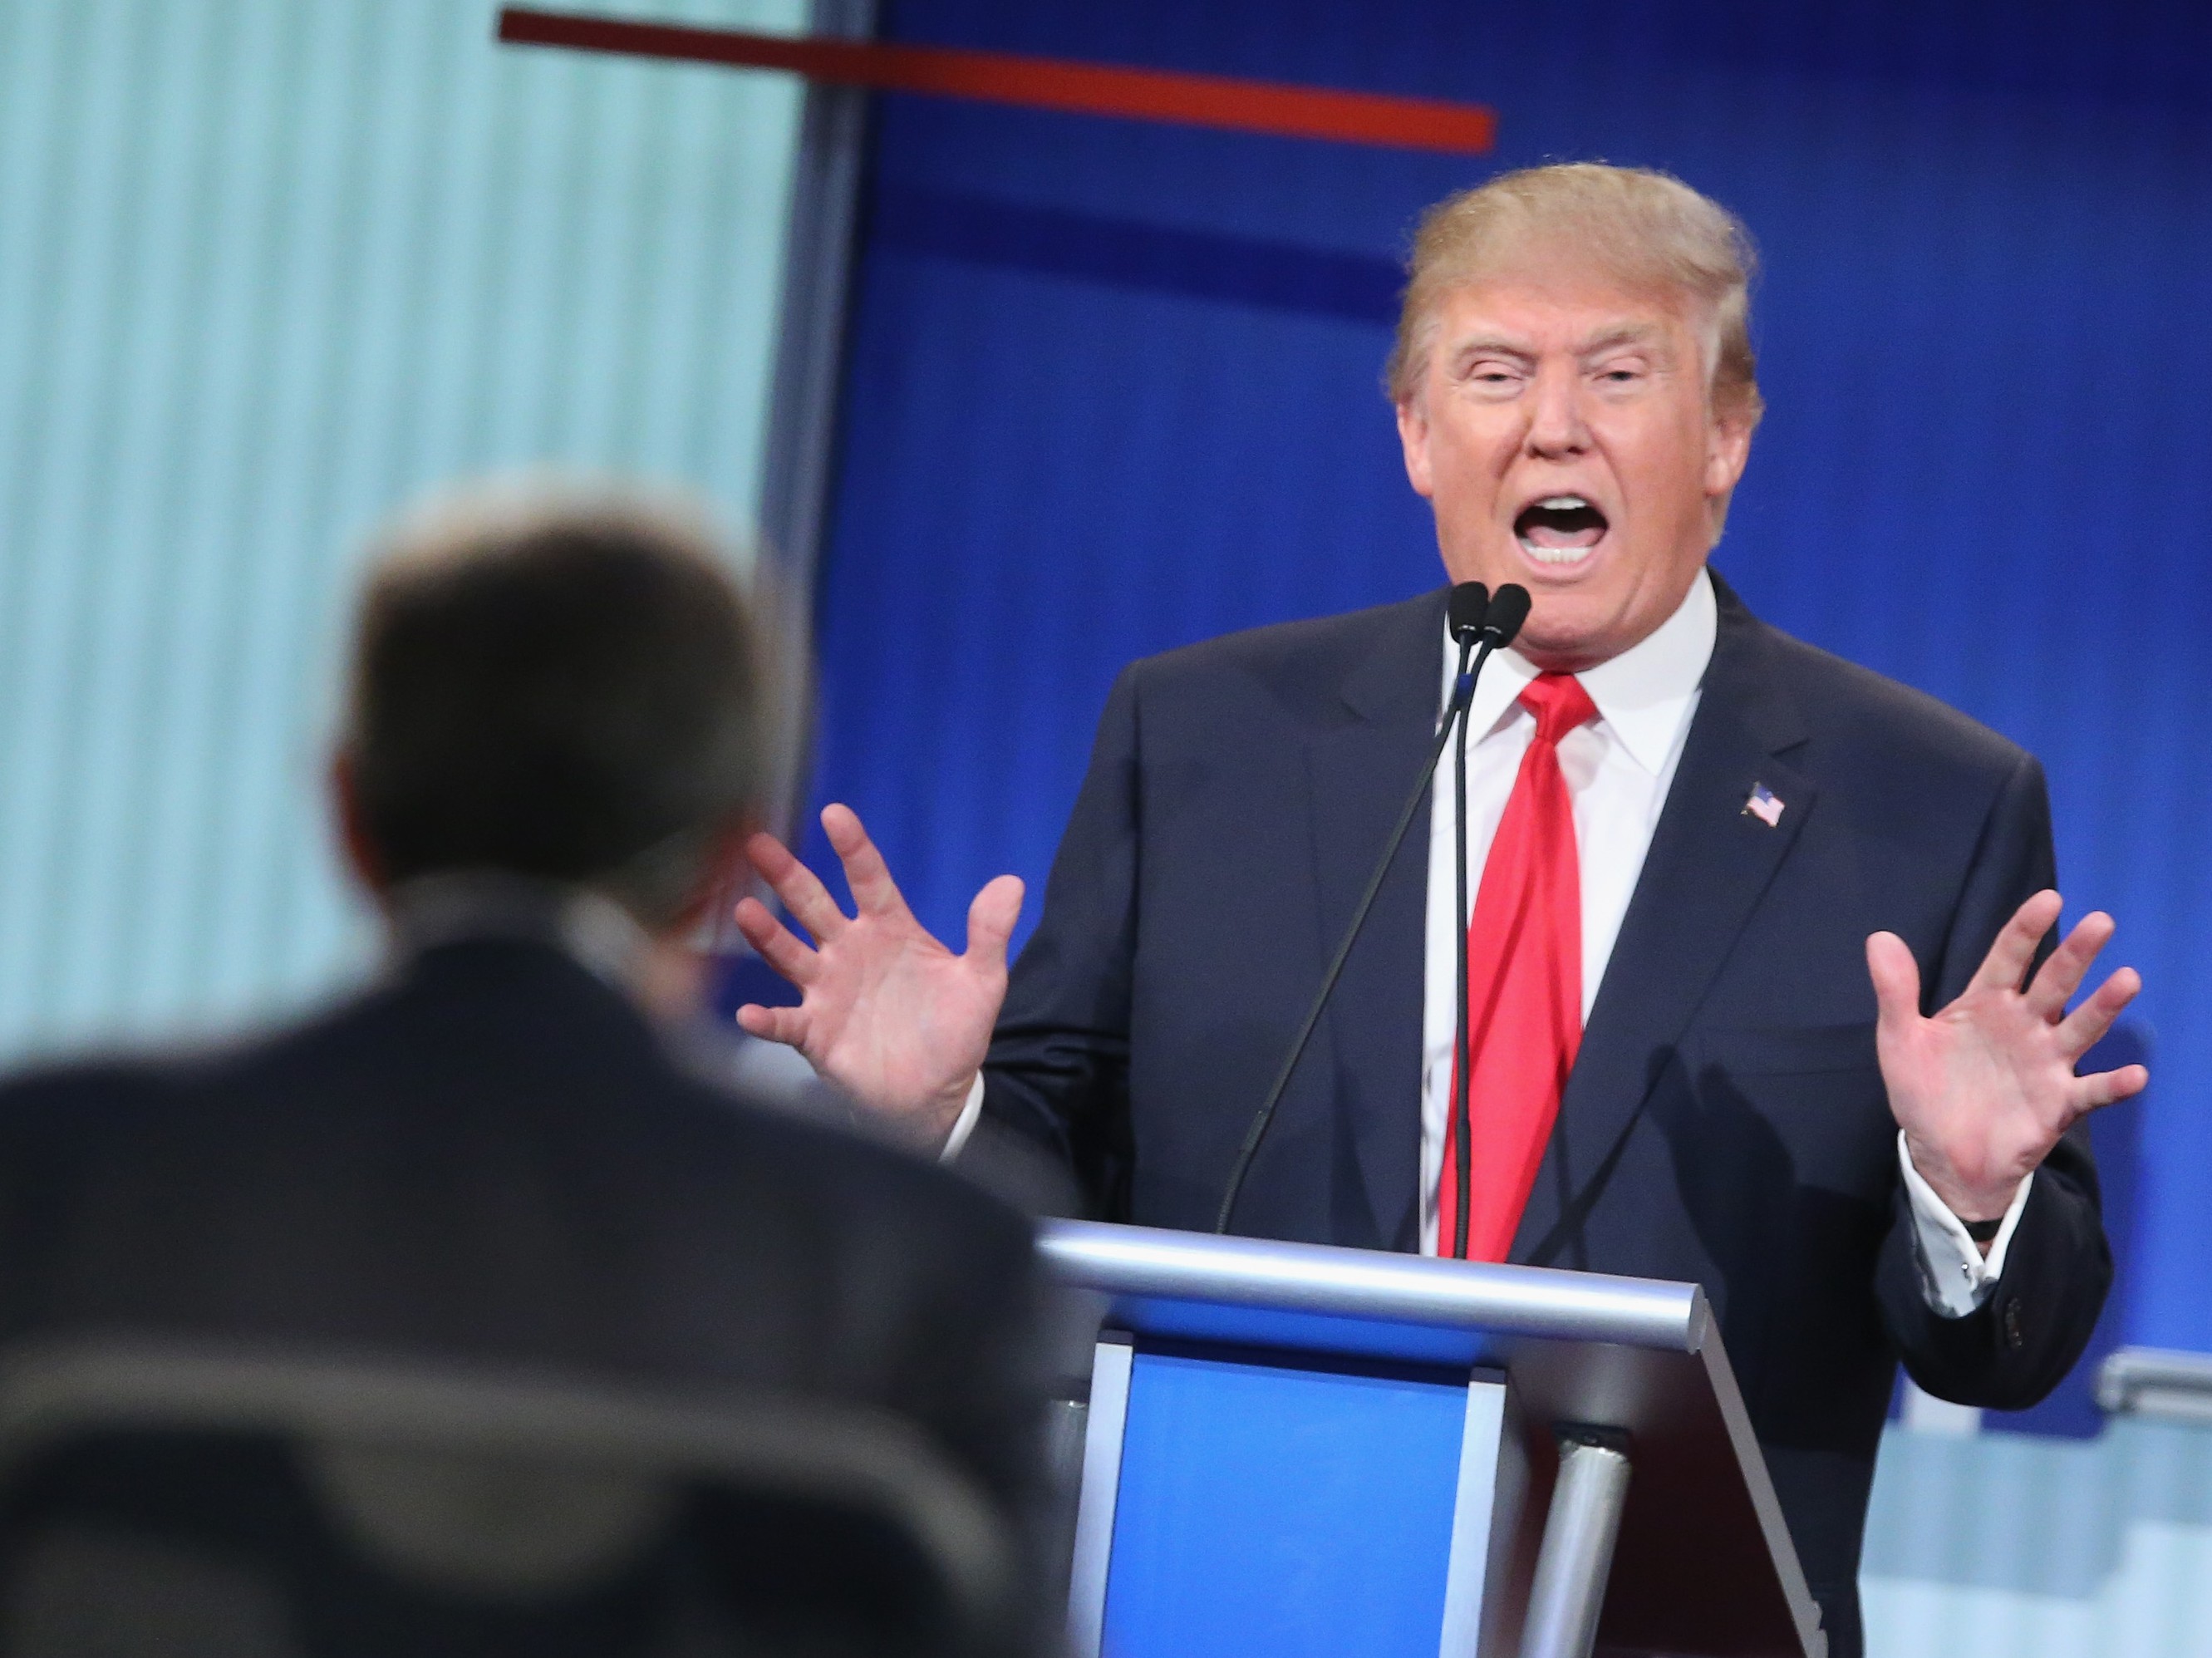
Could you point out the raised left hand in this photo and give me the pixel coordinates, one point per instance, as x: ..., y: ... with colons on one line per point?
x: 886, y: 1011
x: 1984, y: 1089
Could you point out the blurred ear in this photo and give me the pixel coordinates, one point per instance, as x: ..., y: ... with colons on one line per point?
x: 723, y: 877
x: 361, y: 855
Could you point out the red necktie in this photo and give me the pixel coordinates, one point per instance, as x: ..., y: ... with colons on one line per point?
x: 1524, y: 985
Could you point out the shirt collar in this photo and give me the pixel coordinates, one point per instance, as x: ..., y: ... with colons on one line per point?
x: 453, y: 906
x: 1643, y: 695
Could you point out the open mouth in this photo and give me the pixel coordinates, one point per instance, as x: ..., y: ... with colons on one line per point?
x: 1559, y: 529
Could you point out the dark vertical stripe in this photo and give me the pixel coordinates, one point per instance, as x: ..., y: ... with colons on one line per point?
x: 82, y: 524
x: 358, y: 46
x: 64, y: 112
x: 208, y: 63
x: 227, y: 858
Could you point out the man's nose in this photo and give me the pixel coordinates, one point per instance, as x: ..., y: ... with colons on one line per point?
x: 1556, y: 427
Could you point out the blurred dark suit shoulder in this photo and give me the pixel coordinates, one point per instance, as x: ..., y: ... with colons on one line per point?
x: 493, y: 1157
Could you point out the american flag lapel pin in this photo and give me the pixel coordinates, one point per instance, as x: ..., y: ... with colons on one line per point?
x: 1764, y: 806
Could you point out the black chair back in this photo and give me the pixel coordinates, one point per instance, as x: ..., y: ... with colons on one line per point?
x: 161, y: 1500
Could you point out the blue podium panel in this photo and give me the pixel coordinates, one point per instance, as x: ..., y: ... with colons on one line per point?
x: 1288, y: 1508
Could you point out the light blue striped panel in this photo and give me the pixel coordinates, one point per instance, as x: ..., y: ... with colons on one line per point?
x: 2004, y: 1546
x: 267, y: 270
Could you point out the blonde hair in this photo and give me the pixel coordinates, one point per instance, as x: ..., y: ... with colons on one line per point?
x: 1646, y: 230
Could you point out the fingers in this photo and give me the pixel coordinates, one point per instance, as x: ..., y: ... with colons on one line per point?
x: 2085, y: 1027
x: 786, y: 1025
x: 776, y: 943
x: 2061, y: 975
x: 802, y: 892
x: 2007, y: 964
x: 2109, y: 1087
x: 1896, y: 978
x: 866, y: 872
x: 991, y: 920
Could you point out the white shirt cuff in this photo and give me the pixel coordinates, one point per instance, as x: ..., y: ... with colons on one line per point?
x: 970, y: 1115
x: 1954, y: 1275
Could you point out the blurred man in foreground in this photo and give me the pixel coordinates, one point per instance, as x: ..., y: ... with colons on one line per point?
x: 552, y: 751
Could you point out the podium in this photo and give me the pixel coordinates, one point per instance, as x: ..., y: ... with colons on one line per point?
x: 1298, y: 1449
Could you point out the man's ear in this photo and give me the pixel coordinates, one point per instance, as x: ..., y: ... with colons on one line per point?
x: 1727, y: 450
x: 361, y: 855
x: 723, y: 875
x: 1413, y: 438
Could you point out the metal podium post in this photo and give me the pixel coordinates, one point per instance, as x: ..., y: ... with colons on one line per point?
x: 1576, y: 1558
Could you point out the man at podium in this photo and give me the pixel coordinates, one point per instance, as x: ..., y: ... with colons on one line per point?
x: 1762, y: 988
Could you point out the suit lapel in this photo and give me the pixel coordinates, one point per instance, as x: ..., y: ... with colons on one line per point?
x: 1359, y: 771
x: 1709, y: 863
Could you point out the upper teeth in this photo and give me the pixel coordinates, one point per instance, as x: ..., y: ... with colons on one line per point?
x: 1562, y: 503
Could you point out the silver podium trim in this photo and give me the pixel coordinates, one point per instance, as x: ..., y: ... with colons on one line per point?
x: 1330, y: 1281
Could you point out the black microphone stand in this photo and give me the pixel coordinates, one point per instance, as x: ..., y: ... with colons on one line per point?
x: 1469, y: 606
x: 1462, y: 1028
x: 1502, y: 621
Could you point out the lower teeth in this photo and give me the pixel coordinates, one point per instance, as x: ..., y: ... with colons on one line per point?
x: 1554, y: 554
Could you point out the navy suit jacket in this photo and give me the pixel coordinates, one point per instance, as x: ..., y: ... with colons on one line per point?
x: 491, y: 1156
x: 1725, y: 1121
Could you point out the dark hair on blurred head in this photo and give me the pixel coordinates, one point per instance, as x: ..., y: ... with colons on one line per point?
x: 560, y: 685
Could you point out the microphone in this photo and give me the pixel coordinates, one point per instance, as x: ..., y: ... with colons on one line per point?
x: 1501, y: 620
x: 1468, y: 613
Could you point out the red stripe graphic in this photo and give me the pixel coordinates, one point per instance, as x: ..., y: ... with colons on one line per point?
x: 1210, y: 100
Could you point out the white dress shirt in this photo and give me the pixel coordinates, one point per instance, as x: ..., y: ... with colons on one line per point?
x: 1618, y: 769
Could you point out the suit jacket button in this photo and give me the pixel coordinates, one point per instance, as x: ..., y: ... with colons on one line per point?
x: 2012, y: 1336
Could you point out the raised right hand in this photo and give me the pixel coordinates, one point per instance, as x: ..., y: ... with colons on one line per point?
x: 886, y: 1013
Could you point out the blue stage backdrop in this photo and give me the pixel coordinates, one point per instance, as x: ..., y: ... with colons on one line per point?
x: 1114, y: 388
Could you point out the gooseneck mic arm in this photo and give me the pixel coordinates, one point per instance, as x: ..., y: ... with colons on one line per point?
x: 1468, y: 611
x: 1462, y: 1032
x: 1500, y: 622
